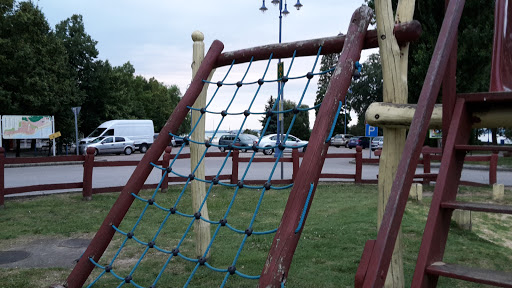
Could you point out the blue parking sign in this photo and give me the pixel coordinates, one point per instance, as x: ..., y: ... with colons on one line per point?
x: 371, y: 131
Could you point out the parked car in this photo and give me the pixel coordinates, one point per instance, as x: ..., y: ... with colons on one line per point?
x: 270, y: 141
x: 178, y: 141
x: 340, y: 140
x: 243, y: 140
x: 362, y: 141
x: 377, y: 142
x: 141, y: 132
x: 110, y: 144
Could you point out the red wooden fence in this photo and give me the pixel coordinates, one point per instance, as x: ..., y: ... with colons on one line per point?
x: 429, y: 154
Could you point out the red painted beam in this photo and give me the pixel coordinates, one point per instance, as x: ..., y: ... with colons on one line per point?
x: 44, y: 159
x: 43, y: 187
x: 406, y: 32
x: 285, y: 241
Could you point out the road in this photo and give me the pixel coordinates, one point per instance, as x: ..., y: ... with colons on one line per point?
x: 117, y: 176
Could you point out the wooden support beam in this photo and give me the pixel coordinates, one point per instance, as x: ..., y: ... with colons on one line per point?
x: 400, y: 115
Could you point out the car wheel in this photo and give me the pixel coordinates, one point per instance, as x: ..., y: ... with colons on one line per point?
x: 304, y: 149
x: 143, y: 148
x: 96, y: 152
x: 222, y: 149
x: 268, y: 151
x: 128, y: 151
x: 349, y: 147
x: 337, y: 146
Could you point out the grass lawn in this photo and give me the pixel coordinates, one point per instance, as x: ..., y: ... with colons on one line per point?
x: 341, y: 219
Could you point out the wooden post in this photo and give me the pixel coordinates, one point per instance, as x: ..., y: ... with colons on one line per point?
x: 166, y: 159
x: 416, y: 192
x: 296, y: 165
x: 493, y: 167
x: 359, y: 164
x: 88, y: 167
x: 426, y: 165
x: 394, y: 60
x: 201, y: 228
x: 2, y: 179
x: 462, y: 218
x: 234, y: 166
x: 498, y: 192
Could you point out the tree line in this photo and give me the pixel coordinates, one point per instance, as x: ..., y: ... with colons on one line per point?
x: 475, y: 40
x: 45, y: 71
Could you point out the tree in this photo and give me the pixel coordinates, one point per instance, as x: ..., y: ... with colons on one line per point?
x: 272, y: 125
x: 368, y: 88
x: 328, y: 61
x: 300, y: 126
x: 80, y: 46
x: 34, y: 79
x: 474, y: 45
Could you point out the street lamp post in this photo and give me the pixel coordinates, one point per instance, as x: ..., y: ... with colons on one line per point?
x: 280, y: 96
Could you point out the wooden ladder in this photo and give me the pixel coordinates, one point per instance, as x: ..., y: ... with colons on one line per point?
x: 429, y: 265
x: 458, y: 118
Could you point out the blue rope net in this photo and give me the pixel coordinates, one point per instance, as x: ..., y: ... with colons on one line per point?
x: 161, y: 218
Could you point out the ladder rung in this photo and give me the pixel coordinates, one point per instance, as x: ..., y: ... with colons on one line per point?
x: 480, y: 207
x: 484, y: 276
x: 489, y: 97
x: 483, y: 148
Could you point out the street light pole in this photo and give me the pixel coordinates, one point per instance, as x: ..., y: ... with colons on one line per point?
x: 280, y: 96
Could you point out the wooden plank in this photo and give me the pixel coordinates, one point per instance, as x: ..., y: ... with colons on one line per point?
x: 363, y: 264
x: 32, y: 160
x: 341, y: 155
x: 483, y: 148
x: 43, y: 187
x: 117, y: 163
x: 341, y: 176
x: 264, y: 160
x: 487, y: 97
x: 483, y: 276
x: 479, y: 207
x: 405, y: 32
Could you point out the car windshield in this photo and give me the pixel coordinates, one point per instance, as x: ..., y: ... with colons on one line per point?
x: 97, y: 132
x: 97, y: 140
x: 248, y: 137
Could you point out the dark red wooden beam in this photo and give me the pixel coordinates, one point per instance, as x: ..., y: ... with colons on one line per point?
x: 286, y: 239
x: 406, y: 32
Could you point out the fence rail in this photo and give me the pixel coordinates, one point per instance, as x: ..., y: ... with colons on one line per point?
x: 429, y: 155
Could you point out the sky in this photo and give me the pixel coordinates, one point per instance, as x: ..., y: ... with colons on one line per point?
x: 155, y: 37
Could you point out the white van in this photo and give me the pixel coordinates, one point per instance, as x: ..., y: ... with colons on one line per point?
x: 140, y: 131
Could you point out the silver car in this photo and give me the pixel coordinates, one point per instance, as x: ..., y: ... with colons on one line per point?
x: 340, y: 140
x: 377, y: 142
x: 110, y: 145
x: 270, y: 140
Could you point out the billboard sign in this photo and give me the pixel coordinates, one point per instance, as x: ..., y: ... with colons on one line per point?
x: 26, y: 127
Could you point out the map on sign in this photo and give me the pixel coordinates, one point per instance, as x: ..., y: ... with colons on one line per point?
x: 26, y: 127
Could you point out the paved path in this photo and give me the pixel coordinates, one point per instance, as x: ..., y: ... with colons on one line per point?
x: 118, y: 176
